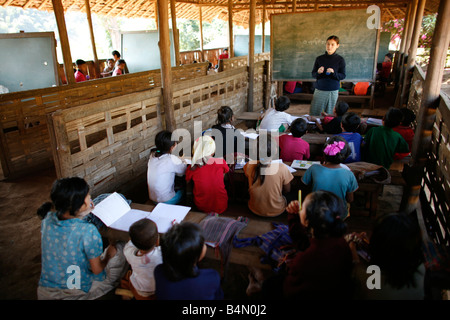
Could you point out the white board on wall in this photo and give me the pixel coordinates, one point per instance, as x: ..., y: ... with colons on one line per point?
x: 140, y: 50
x: 28, y: 61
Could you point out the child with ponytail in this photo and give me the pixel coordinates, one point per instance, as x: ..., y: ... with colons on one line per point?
x: 322, y: 266
x: 330, y: 175
x: 323, y: 269
x: 74, y: 265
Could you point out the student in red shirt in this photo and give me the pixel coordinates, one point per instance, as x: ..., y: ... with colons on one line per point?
x: 224, y: 55
x: 207, y: 174
x: 82, y: 71
x: 405, y: 130
x: 293, y: 147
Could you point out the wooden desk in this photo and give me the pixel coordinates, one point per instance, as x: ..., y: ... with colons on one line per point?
x: 248, y: 256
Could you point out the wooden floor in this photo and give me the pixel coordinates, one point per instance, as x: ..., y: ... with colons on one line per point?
x: 20, y: 227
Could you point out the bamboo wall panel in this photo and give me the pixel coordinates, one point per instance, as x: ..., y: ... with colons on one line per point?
x: 108, y: 142
x: 435, y: 195
x: 24, y: 140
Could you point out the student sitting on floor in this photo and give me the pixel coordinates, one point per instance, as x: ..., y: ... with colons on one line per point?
x: 73, y: 246
x: 163, y: 166
x: 207, y: 174
x: 405, y: 130
x: 179, y: 277
x: 350, y: 123
x: 381, y: 143
x: 143, y: 254
x: 322, y: 267
x: 396, y: 247
x: 267, y: 182
x: 332, y: 124
x: 229, y: 134
x: 276, y: 119
x: 330, y: 175
x: 292, y: 146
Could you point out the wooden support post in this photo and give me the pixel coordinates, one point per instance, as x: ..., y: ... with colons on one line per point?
x: 64, y: 39
x: 91, y: 31
x: 166, y: 68
x: 429, y: 103
x: 230, y: 29
x: 401, y: 51
x: 176, y: 38
x: 294, y: 5
x: 263, y: 24
x: 251, y: 56
x: 156, y: 14
x: 412, y: 53
x: 411, y: 18
x: 201, y: 32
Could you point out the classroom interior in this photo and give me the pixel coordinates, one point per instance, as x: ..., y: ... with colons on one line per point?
x: 72, y: 144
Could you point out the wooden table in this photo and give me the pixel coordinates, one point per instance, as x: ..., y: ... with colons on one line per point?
x: 248, y: 256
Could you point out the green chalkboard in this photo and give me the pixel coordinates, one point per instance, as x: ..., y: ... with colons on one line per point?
x: 383, y: 48
x: 241, y: 44
x: 298, y: 38
x: 141, y: 51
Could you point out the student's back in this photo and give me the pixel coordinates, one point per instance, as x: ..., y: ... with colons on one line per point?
x: 274, y: 118
x: 202, y: 287
x: 350, y: 123
x: 383, y: 142
x: 292, y: 146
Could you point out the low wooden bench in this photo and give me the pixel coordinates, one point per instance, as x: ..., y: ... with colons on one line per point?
x: 364, y: 100
x: 248, y: 256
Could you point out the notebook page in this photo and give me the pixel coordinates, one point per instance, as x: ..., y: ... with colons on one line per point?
x: 111, y: 208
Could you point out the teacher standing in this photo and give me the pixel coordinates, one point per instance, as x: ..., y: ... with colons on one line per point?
x: 329, y: 70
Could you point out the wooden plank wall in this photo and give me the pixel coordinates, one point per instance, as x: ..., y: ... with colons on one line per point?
x: 435, y: 193
x: 108, y: 142
x: 24, y: 139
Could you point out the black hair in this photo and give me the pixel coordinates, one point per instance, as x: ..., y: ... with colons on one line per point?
x: 110, y: 59
x: 115, y: 53
x: 389, y: 55
x: 325, y: 212
x: 224, y: 115
x: 396, y: 247
x: 120, y: 61
x: 408, y: 116
x: 144, y: 234
x: 80, y: 62
x: 335, y: 38
x: 341, y: 108
x: 393, y: 117
x: 260, y: 165
x: 163, y: 142
x: 340, y: 156
x: 181, y: 248
x: 298, y: 127
x: 282, y: 103
x: 67, y: 194
x: 350, y: 121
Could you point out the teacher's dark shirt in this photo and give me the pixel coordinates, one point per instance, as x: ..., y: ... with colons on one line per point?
x: 329, y: 82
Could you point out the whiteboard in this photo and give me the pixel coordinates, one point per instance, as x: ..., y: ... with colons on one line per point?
x: 28, y: 61
x: 140, y: 50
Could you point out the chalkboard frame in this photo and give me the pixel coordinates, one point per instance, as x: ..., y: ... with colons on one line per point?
x: 47, y: 34
x: 311, y: 79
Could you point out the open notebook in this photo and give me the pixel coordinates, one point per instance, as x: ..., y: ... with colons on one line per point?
x: 115, y: 212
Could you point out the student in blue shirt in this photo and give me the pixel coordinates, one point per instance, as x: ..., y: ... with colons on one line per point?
x: 350, y: 123
x: 73, y: 260
x: 179, y: 277
x: 330, y: 175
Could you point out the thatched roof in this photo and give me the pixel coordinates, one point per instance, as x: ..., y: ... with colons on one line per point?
x: 189, y: 9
